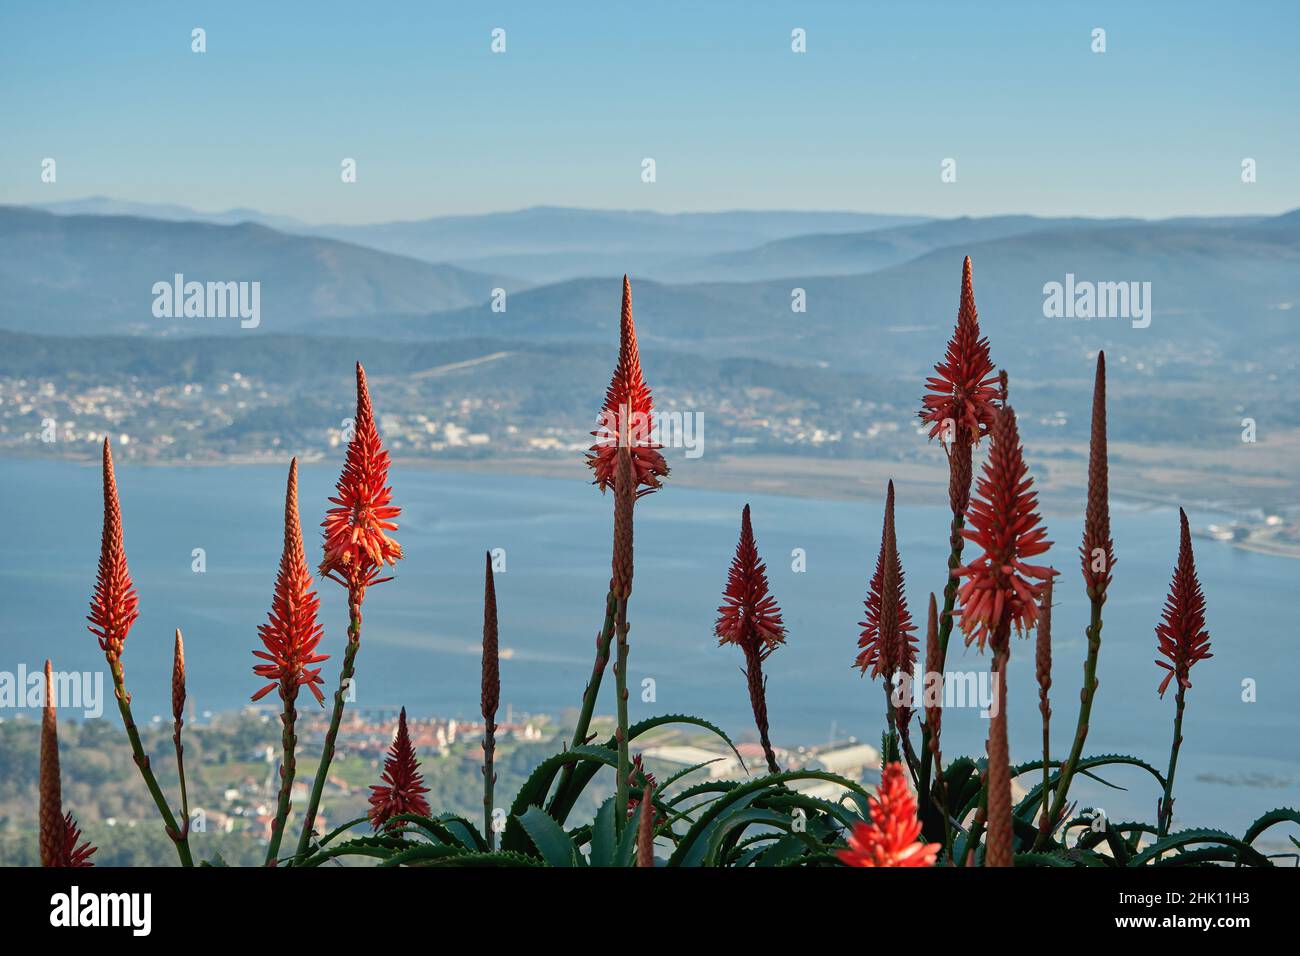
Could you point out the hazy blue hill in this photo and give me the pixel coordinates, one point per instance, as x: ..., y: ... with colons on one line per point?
x: 546, y: 243
x: 105, y: 206
x: 69, y: 274
x: 1219, y: 293
x: 853, y: 253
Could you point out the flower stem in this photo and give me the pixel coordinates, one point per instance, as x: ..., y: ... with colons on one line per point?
x: 592, y: 691
x: 999, y: 848
x: 1086, y: 696
x: 620, y: 735
x: 956, y: 543
x: 180, y: 772
x: 287, y: 770
x: 1167, y: 804
x: 336, y: 718
x: 758, y: 701
x: 489, y: 780
x: 178, y: 836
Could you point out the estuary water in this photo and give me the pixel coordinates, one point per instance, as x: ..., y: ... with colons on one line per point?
x: 422, y: 631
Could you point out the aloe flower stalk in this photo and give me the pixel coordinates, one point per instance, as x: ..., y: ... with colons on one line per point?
x: 357, y: 548
x: 178, y: 722
x: 1097, y: 557
x: 624, y: 500
x: 113, y: 609
x: 887, y: 643
x: 1000, y: 591
x: 626, y: 420
x: 933, y: 726
x: 892, y: 837
x: 403, y: 788
x: 1043, y: 671
x: 645, y: 830
x: 959, y: 407
x: 1182, y: 640
x: 489, y: 695
x: 290, y: 637
x: 751, y: 619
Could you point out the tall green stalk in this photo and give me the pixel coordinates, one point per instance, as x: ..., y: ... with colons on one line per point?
x: 620, y: 685
x: 179, y: 836
x: 1086, y: 695
x: 1167, y: 804
x: 336, y: 719
x: 288, y: 768
x: 591, y: 692
x: 956, y: 542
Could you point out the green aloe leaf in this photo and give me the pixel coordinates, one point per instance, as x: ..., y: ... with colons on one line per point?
x: 549, y: 838
x: 533, y: 791
x: 1273, y: 817
x: 603, y: 837
x: 1246, y: 854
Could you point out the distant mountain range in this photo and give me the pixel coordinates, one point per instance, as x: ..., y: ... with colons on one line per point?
x: 539, y: 244
x: 1222, y: 289
x: 94, y: 273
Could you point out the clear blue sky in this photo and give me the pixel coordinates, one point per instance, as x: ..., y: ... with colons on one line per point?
x: 1156, y: 126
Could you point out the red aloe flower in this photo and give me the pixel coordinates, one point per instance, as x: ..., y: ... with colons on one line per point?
x: 627, y: 416
x: 357, y: 545
x: 962, y: 390
x: 892, y: 836
x: 640, y: 778
x: 113, y: 607
x: 291, y: 633
x: 405, y: 788
x: 74, y: 855
x: 1000, y: 588
x: 888, y: 642
x: 1182, y: 634
x: 750, y: 618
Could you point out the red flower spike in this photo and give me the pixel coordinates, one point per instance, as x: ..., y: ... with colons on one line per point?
x: 627, y: 416
x: 74, y: 855
x: 888, y: 643
x: 1097, y: 553
x: 962, y: 391
x: 891, y: 838
x: 113, y: 607
x: 291, y: 633
x: 1003, y: 521
x: 638, y: 778
x: 750, y: 618
x: 1182, y: 636
x: 357, y: 545
x: 405, y: 788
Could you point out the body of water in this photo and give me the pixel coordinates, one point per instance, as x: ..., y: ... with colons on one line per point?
x: 420, y: 646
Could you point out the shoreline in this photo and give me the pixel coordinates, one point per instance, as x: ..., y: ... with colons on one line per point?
x: 1061, y: 481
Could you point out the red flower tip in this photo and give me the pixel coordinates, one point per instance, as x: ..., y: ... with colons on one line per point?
x: 1182, y: 636
x: 638, y: 778
x: 1000, y: 589
x: 750, y: 617
x: 490, y: 685
x: 291, y: 633
x: 959, y: 402
x: 405, y: 788
x: 113, y: 606
x: 75, y: 855
x: 888, y: 643
x: 357, y: 544
x: 627, y: 416
x: 1097, y: 553
x: 891, y: 838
